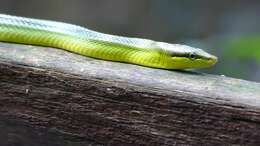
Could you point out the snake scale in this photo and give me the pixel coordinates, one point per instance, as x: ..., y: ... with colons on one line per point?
x: 98, y: 45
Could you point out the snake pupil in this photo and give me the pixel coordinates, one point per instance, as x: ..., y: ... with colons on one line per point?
x: 192, y: 56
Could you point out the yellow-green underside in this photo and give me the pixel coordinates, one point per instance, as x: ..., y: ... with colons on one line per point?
x: 83, y: 46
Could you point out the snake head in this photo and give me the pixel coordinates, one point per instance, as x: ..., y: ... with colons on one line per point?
x: 183, y: 56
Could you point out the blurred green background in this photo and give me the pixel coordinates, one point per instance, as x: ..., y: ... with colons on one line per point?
x: 228, y: 28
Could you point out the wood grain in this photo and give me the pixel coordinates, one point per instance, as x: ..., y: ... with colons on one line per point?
x: 52, y: 97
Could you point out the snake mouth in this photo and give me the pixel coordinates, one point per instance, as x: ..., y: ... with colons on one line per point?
x: 188, y: 63
x: 212, y: 60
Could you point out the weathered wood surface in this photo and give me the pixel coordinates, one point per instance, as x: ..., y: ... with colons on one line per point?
x: 53, y: 97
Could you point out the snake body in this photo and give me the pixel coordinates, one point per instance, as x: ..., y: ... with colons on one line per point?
x: 98, y: 45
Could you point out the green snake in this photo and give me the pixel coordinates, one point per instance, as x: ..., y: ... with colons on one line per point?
x: 98, y: 45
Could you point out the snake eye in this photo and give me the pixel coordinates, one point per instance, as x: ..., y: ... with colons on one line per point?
x: 192, y: 55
